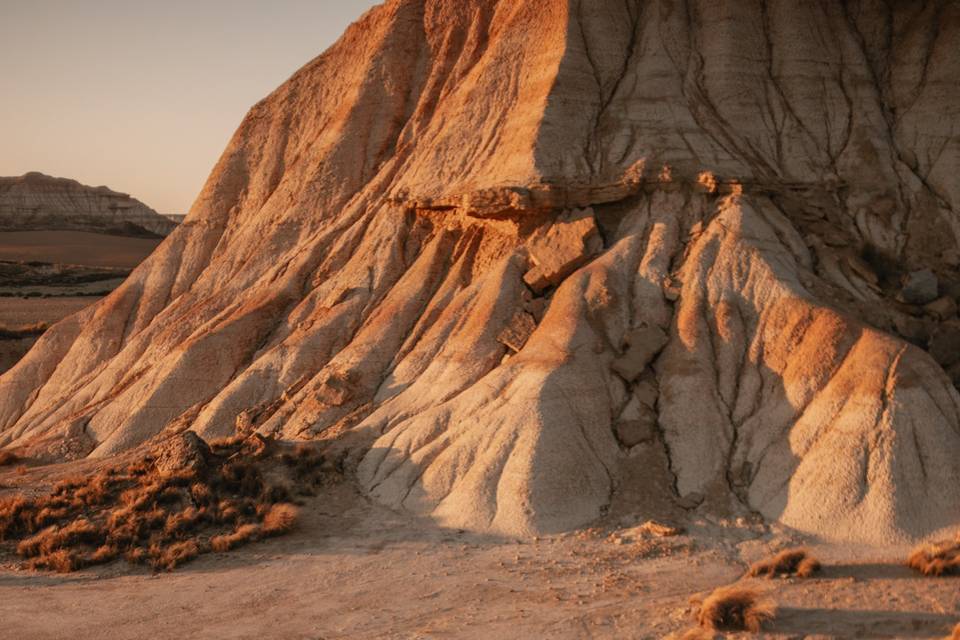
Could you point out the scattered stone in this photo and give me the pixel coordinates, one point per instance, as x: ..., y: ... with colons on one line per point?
x: 336, y: 389
x: 919, y: 287
x: 561, y: 248
x: 517, y: 331
x: 862, y: 269
x: 184, y: 452
x: 643, y: 345
x: 943, y: 308
x: 951, y: 257
x: 538, y: 308
x: 630, y: 433
x: 671, y: 290
x: 912, y: 329
x: 951, y: 288
x: 691, y: 501
x: 945, y: 344
x: 646, y: 392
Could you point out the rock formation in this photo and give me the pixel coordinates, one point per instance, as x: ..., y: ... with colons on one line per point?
x: 519, y: 260
x: 36, y: 202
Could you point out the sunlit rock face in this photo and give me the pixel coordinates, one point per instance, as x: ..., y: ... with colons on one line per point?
x: 524, y: 262
x: 36, y: 202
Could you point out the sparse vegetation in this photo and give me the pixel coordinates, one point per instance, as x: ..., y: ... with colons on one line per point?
x: 796, y: 562
x: 735, y: 608
x: 163, y: 519
x: 279, y: 519
x: 8, y: 458
x: 936, y: 559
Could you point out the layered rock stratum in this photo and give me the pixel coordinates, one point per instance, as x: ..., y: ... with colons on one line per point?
x: 37, y: 202
x: 522, y: 261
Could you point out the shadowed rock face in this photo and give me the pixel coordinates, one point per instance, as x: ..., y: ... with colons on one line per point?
x: 35, y: 202
x: 387, y: 255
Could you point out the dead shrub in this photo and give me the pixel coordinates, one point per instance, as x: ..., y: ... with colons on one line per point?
x: 104, y: 554
x: 182, y: 522
x: 61, y: 561
x: 936, y: 559
x: 735, y: 608
x: 808, y: 567
x: 790, y: 562
x: 151, y: 517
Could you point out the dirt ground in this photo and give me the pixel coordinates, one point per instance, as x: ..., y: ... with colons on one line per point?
x: 75, y: 247
x: 66, y: 289
x: 25, y: 311
x: 19, y: 312
x: 356, y: 570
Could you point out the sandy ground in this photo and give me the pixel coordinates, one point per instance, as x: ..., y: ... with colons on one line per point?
x: 357, y: 570
x: 75, y: 247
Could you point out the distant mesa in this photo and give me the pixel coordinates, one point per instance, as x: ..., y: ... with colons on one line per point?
x: 38, y: 202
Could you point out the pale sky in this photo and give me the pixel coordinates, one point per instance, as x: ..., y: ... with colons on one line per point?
x: 143, y: 95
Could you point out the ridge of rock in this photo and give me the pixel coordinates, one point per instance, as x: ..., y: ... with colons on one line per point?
x: 728, y: 332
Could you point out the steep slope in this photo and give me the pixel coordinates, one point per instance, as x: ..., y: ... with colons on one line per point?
x: 524, y: 262
x: 36, y: 202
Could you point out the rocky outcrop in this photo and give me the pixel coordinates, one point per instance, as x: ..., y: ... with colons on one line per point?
x: 35, y: 202
x: 522, y: 261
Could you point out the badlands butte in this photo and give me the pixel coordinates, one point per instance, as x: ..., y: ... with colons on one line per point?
x: 523, y: 265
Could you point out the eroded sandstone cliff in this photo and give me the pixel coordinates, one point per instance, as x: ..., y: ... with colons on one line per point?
x: 526, y: 261
x: 36, y: 202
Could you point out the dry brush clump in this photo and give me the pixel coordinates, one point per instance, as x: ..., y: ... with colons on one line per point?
x: 937, y: 558
x: 8, y: 458
x: 735, y: 608
x: 239, y: 492
x: 796, y: 562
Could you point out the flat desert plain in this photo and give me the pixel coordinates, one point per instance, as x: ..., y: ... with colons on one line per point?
x: 60, y: 296
x: 75, y: 247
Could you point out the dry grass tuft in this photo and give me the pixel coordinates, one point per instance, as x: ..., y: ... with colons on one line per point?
x: 61, y: 561
x: 175, y: 554
x: 241, y: 535
x: 162, y: 519
x: 280, y: 518
x: 808, y: 567
x: 936, y: 559
x: 790, y: 562
x: 8, y: 458
x: 735, y: 609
